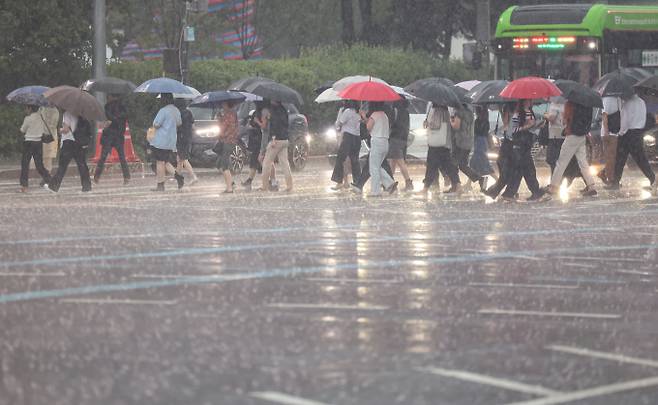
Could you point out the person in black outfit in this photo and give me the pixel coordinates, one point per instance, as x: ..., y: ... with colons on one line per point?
x: 348, y: 124
x: 73, y: 129
x: 398, y: 139
x: 505, y: 162
x: 184, y: 141
x: 113, y: 137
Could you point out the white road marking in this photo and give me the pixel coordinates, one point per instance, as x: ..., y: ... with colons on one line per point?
x: 592, y: 392
x: 172, y: 275
x: 284, y: 305
x: 492, y: 381
x: 570, y: 264
x: 494, y: 311
x: 56, y: 274
x: 513, y: 285
x: 639, y: 273
x: 603, y: 355
x: 351, y: 280
x: 111, y: 301
x: 599, y: 259
x: 281, y: 398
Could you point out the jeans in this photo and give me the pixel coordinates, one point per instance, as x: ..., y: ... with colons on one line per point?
x: 572, y: 146
x: 524, y: 168
x: 105, y: 151
x: 633, y: 144
x: 461, y: 159
x: 349, y: 148
x: 378, y: 152
x: 438, y: 158
x: 32, y: 149
x: 276, y: 149
x: 72, y: 150
x: 365, y: 172
x: 505, y: 168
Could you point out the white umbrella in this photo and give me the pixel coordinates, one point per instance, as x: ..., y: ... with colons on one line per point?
x: 342, y: 84
x: 468, y: 84
x: 194, y: 93
x: 331, y: 95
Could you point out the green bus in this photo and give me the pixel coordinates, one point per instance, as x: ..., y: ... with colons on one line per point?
x: 575, y: 41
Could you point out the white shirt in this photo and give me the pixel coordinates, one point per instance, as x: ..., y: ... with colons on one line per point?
x: 380, y: 128
x: 72, y: 121
x: 349, y: 121
x: 555, y: 127
x: 611, y: 105
x: 633, y: 114
x: 33, y: 127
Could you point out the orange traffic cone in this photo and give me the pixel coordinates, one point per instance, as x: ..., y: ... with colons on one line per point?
x: 131, y: 156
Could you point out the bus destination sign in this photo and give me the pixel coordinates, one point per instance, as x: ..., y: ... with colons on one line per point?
x: 543, y: 42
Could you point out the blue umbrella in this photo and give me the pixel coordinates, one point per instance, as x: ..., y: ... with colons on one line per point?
x: 162, y: 85
x: 30, y: 95
x: 214, y: 98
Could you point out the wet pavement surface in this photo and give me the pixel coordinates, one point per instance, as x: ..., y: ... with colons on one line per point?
x: 124, y: 296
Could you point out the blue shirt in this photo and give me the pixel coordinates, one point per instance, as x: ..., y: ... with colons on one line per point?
x: 166, y: 122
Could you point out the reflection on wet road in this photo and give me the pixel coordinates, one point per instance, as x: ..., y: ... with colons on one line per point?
x: 123, y: 296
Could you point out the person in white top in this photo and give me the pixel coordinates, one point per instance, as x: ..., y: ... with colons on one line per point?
x: 439, y: 143
x: 611, y: 122
x: 379, y: 129
x: 631, y: 130
x: 348, y: 124
x: 70, y: 149
x: 33, y: 127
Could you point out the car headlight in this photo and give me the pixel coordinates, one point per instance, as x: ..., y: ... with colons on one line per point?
x: 209, y: 132
x: 330, y: 135
x: 308, y: 138
x: 649, y: 140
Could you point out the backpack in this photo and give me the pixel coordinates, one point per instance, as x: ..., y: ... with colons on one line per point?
x: 614, y: 122
x: 582, y: 120
x: 83, y: 132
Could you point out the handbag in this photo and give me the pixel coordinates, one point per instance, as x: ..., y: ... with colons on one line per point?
x: 150, y: 134
x: 46, y: 138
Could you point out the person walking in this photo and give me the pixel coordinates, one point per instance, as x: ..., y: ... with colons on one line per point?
x: 347, y: 123
x: 577, y: 122
x: 184, y: 141
x: 633, y: 122
x: 461, y: 121
x: 611, y: 124
x: 377, y: 124
x: 254, y: 137
x: 113, y: 137
x: 163, y: 144
x: 76, y: 134
x: 439, y: 142
x: 263, y: 120
x: 505, y: 160
x: 480, y: 159
x: 398, y: 141
x: 278, y: 146
x: 51, y: 117
x: 359, y: 183
x: 33, y: 127
x: 554, y: 118
x: 228, y: 139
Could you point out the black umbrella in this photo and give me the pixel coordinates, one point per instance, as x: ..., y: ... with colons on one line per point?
x: 275, y: 91
x: 110, y: 85
x: 648, y: 89
x: 242, y: 84
x: 326, y: 85
x: 462, y: 93
x: 579, y: 93
x: 420, y: 83
x: 435, y: 90
x: 488, y: 92
x: 615, y: 85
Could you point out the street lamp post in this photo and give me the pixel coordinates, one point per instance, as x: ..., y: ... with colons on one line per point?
x: 99, y: 59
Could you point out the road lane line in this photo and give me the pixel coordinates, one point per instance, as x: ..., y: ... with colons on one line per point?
x: 635, y: 272
x: 18, y: 274
x: 492, y: 381
x: 603, y: 355
x: 111, y: 301
x: 513, y: 285
x: 495, y: 311
x: 592, y: 392
x: 285, y: 305
x: 351, y: 280
x: 285, y: 399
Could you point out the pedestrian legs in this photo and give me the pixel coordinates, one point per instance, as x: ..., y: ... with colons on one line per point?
x: 610, y: 153
x: 572, y: 146
x: 32, y: 150
x: 461, y: 159
x: 277, y: 149
x: 71, y: 151
x: 632, y: 143
x: 378, y: 152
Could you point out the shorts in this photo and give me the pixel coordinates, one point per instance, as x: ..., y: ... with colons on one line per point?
x: 162, y: 155
x: 253, y: 161
x: 223, y: 151
x: 396, y: 148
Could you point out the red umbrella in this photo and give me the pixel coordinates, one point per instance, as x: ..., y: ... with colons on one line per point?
x: 530, y: 88
x: 369, y: 91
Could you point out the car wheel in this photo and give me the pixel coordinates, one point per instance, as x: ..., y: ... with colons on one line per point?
x: 238, y: 159
x: 298, y: 154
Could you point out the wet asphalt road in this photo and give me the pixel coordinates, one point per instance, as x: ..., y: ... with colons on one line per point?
x: 123, y: 296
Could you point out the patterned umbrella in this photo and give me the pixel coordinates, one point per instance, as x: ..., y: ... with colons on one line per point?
x: 29, y: 95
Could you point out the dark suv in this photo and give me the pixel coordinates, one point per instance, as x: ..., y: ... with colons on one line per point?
x: 206, y: 134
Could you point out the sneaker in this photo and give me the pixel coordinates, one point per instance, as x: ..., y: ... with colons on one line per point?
x: 42, y: 183
x: 393, y: 188
x: 408, y: 185
x: 508, y: 199
x: 337, y: 187
x: 588, y: 192
x: 227, y: 192
x: 536, y: 197
x: 180, y: 180
x: 356, y: 189
x: 454, y: 189
x: 159, y: 188
x: 126, y: 182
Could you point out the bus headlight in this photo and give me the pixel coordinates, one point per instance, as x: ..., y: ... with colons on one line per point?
x: 649, y: 140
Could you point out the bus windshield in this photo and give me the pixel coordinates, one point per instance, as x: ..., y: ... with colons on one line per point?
x: 583, y: 68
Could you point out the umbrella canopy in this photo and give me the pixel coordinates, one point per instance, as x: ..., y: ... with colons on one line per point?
x: 248, y: 96
x: 468, y: 84
x: 369, y: 91
x: 194, y: 93
x: 162, y: 85
x: 420, y: 83
x: 343, y: 83
x: 436, y: 92
x: 530, y: 88
x: 620, y: 82
x: 214, y: 98
x: 76, y: 101
x: 648, y: 89
x: 29, y: 95
x: 331, y: 95
x: 579, y: 93
x: 111, y: 85
x: 462, y: 93
x: 242, y: 84
x: 488, y: 92
x: 324, y: 86
x: 276, y: 91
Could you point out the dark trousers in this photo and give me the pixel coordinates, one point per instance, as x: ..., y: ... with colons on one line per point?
x: 632, y: 143
x: 365, y: 172
x: 105, y: 151
x: 33, y: 150
x: 349, y: 148
x: 524, y: 168
x: 72, y: 150
x: 461, y: 159
x: 439, y: 158
x: 505, y: 164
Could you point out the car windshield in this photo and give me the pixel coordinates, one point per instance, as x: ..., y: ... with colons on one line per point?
x: 203, y: 113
